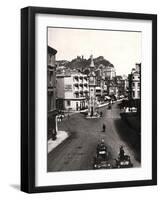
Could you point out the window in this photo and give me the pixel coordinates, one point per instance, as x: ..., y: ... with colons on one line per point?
x: 68, y: 87
x: 68, y: 102
x: 133, y: 94
x: 49, y: 59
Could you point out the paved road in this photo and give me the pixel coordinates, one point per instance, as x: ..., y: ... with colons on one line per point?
x: 77, y: 152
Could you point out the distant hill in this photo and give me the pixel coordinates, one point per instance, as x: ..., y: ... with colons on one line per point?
x: 81, y: 64
x: 62, y: 62
x: 102, y: 61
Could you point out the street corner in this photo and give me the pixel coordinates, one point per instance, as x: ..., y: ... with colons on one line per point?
x: 61, y: 136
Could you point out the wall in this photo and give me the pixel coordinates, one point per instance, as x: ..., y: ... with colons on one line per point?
x: 68, y: 84
x: 10, y: 100
x: 60, y: 88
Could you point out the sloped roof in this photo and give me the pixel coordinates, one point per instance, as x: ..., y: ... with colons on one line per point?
x: 52, y: 50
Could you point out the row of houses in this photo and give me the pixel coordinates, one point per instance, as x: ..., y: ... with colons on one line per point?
x: 74, y: 90
x: 51, y: 91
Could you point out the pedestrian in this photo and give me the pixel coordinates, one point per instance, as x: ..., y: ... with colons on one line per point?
x: 101, y: 114
x: 122, y: 153
x: 103, y: 127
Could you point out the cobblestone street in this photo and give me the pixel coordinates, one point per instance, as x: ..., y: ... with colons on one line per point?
x: 77, y: 152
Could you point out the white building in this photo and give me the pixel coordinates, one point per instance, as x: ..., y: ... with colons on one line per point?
x: 110, y: 72
x: 72, y: 91
x: 134, y: 82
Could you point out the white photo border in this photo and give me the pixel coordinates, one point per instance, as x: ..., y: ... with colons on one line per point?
x: 42, y: 178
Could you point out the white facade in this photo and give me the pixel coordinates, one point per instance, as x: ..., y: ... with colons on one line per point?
x: 74, y: 90
x: 136, y: 86
x: 110, y: 72
x: 134, y: 82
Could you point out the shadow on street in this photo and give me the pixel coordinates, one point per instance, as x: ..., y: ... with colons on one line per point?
x: 130, y: 136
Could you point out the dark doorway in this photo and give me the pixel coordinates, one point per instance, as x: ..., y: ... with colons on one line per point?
x: 91, y: 111
x: 77, y: 106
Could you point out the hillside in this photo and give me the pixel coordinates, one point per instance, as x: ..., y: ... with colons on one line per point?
x: 81, y: 64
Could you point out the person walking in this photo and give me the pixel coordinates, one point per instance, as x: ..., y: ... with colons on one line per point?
x: 104, y: 128
x: 122, y: 153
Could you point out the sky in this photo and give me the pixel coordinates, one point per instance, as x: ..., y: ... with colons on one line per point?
x: 121, y: 48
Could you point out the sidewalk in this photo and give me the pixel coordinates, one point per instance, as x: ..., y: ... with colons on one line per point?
x: 61, y: 136
x: 102, y: 105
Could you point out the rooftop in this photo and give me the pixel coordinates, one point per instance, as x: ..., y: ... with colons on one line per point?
x: 52, y: 50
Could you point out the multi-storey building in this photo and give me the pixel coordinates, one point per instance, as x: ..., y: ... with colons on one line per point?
x: 121, y: 82
x: 51, y: 87
x: 112, y: 89
x: 134, y: 82
x: 110, y: 72
x: 72, y: 91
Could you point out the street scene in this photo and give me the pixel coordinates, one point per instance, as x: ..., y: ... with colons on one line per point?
x: 94, y: 107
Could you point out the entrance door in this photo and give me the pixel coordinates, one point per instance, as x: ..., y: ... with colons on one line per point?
x: 77, y: 106
x: 91, y: 111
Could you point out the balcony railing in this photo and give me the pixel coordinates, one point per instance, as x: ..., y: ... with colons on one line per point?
x: 76, y: 89
x: 80, y: 89
x: 76, y: 84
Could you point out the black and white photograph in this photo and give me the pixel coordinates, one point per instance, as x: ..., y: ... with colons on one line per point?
x: 89, y: 99
x: 93, y: 99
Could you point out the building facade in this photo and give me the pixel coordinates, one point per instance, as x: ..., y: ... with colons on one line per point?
x: 135, y: 82
x: 121, y: 82
x: 51, y: 89
x: 101, y: 89
x: 110, y: 72
x: 72, y: 91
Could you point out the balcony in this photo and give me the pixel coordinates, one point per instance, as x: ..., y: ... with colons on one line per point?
x: 80, y: 89
x: 50, y: 90
x: 85, y: 90
x: 50, y: 85
x: 76, y: 84
x: 76, y: 89
x: 76, y: 78
x: 81, y: 96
